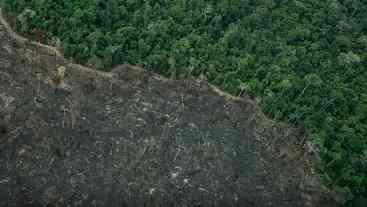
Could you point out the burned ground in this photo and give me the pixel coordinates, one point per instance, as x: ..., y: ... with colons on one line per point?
x: 132, y: 138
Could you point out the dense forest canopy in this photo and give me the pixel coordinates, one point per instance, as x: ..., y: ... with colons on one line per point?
x: 306, y: 60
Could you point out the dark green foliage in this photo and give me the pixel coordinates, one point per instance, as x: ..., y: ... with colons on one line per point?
x: 305, y: 59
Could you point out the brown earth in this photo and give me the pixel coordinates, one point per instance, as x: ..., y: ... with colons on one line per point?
x: 133, y: 138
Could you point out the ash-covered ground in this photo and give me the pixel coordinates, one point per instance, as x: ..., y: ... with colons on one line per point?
x: 132, y: 138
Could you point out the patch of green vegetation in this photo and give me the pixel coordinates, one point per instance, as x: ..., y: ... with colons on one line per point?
x: 305, y: 59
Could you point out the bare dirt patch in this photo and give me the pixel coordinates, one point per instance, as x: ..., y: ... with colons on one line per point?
x: 132, y: 138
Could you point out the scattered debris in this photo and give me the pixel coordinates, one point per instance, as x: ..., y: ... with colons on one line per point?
x: 110, y: 137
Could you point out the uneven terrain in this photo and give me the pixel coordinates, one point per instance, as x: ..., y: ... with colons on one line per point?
x: 133, y: 138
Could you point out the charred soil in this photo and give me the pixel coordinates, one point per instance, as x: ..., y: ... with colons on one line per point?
x: 133, y: 138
